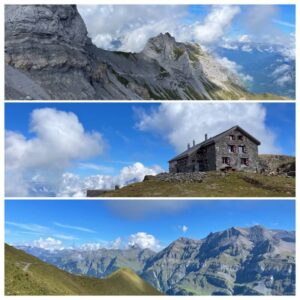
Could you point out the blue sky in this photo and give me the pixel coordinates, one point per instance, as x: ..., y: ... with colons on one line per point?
x: 283, y: 13
x: 126, y: 143
x: 103, y: 221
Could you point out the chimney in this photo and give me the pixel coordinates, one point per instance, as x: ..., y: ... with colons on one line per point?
x: 194, y: 143
x: 188, y: 146
x: 205, y: 136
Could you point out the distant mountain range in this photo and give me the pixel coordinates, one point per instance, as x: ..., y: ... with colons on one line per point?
x: 28, y: 275
x: 270, y: 67
x: 52, y: 58
x: 236, y: 261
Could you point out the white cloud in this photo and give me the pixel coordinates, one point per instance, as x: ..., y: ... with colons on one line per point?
x: 65, y: 237
x: 281, y: 69
x: 246, y: 48
x: 58, y: 139
x: 283, y: 75
x: 128, y: 27
x: 75, y: 186
x: 235, y: 69
x: 78, y: 228
x: 215, y: 23
x: 245, y: 38
x: 116, y: 244
x: 283, y: 23
x: 35, y: 228
x: 49, y: 243
x: 184, y: 228
x: 181, y: 123
x: 95, y: 167
x: 144, y: 240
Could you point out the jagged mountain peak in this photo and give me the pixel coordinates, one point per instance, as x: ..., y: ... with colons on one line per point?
x: 259, y: 233
x: 162, y: 38
x: 165, y: 47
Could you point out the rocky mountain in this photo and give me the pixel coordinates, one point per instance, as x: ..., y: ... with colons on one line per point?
x: 49, y: 55
x: 236, y: 261
x: 98, y: 263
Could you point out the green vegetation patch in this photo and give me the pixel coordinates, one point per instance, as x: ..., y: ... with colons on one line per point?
x: 178, y: 52
x: 27, y: 275
x: 213, y: 185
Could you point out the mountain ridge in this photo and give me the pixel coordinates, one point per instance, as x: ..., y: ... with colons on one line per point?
x: 238, y: 260
x: 27, y: 275
x: 49, y: 55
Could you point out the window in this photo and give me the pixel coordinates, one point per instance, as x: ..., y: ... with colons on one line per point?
x: 245, y: 161
x: 242, y: 149
x: 226, y: 160
x: 232, y: 137
x: 231, y: 148
x: 240, y: 138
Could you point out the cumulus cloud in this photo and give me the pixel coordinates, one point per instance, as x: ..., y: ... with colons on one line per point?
x: 181, y: 123
x: 235, y: 69
x: 128, y: 28
x: 141, y: 240
x: 246, y: 48
x: 216, y: 23
x: 245, y: 38
x: 184, y: 228
x: 144, y: 240
x: 75, y: 186
x: 58, y: 139
x: 116, y: 244
x: 49, y: 243
x: 283, y: 74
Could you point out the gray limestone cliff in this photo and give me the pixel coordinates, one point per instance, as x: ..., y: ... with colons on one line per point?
x: 49, y: 55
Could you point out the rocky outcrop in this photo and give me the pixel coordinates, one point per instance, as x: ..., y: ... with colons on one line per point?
x: 278, y: 165
x: 48, y: 47
x: 178, y: 177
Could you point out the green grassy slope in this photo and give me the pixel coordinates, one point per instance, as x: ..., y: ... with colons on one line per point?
x: 27, y: 275
x: 238, y: 184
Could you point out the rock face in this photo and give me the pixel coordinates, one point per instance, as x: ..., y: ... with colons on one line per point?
x: 236, y: 261
x: 47, y: 47
x: 48, y: 44
x: 278, y: 165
